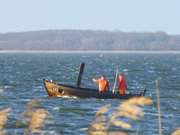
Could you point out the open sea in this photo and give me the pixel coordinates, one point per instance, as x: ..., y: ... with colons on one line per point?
x: 21, y: 77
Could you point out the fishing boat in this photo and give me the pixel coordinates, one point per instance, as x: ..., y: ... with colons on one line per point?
x: 62, y: 90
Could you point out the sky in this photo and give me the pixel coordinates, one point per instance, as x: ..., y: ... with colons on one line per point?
x: 112, y: 15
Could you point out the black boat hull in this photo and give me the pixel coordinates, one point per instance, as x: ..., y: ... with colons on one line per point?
x: 60, y: 90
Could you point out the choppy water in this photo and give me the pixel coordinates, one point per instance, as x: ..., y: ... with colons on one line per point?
x: 21, y: 77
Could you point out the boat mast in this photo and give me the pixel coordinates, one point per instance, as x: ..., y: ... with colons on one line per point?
x: 81, y: 69
x: 115, y: 80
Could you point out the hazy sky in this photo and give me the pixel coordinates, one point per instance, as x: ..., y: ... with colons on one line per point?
x: 123, y: 15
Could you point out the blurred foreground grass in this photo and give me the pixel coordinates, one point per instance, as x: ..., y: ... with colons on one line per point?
x: 35, y: 118
x: 131, y: 109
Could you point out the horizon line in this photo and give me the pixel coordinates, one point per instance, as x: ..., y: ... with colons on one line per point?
x: 91, y: 51
x: 94, y: 30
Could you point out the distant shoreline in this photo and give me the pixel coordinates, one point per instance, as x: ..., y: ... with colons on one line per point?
x: 89, y: 41
x: 84, y: 51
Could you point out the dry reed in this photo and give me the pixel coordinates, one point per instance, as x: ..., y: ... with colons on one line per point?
x: 159, y: 107
x: 37, y: 120
x: 176, y: 132
x: 117, y: 133
x: 30, y: 108
x: 129, y: 109
x: 3, y: 119
x: 103, y: 110
x: 34, y: 117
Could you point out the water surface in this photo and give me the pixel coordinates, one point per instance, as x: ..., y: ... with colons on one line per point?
x: 21, y: 81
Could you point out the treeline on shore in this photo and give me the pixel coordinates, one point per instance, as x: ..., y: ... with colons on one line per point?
x: 89, y: 40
